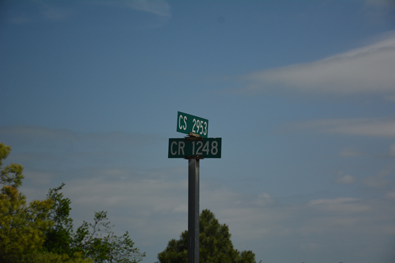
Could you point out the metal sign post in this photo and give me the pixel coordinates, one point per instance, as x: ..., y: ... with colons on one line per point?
x: 193, y: 210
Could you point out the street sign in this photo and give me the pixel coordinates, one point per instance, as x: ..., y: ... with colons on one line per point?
x: 189, y: 147
x: 196, y: 146
x: 187, y: 123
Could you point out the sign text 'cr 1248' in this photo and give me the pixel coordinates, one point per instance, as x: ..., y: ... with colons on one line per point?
x: 204, y: 148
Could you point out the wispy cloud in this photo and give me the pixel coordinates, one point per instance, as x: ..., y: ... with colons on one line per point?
x: 19, y: 19
x: 392, y: 150
x: 53, y: 12
x: 157, y: 7
x: 52, y: 146
x: 379, y: 181
x: 379, y: 11
x: 52, y: 135
x: 385, y: 3
x: 35, y: 10
x: 344, y: 178
x: 56, y: 11
x: 376, y: 127
x: 364, y: 70
x: 158, y: 11
x: 340, y: 205
x: 350, y: 152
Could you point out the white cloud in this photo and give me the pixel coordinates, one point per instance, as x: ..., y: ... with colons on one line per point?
x: 390, y: 195
x: 377, y: 127
x: 382, y: 3
x: 392, y: 150
x: 157, y: 7
x: 57, y: 10
x: 30, y: 11
x: 380, y: 180
x: 365, y: 70
x: 159, y: 195
x: 339, y: 205
x: 310, y: 246
x: 55, y: 13
x: 379, y: 11
x: 390, y: 98
x: 350, y: 152
x: 39, y: 177
x: 344, y: 178
x: 19, y: 19
x: 48, y: 139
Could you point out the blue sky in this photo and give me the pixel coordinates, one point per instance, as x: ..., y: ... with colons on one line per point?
x: 301, y: 92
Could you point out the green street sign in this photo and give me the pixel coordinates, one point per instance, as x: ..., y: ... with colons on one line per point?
x: 187, y: 123
x: 192, y: 147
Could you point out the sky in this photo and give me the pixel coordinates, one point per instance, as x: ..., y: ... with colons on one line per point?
x: 302, y: 94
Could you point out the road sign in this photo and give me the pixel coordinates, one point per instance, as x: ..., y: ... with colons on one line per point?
x: 189, y: 147
x: 193, y: 148
x: 187, y: 123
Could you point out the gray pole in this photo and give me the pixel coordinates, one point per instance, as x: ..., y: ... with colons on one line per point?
x: 193, y: 210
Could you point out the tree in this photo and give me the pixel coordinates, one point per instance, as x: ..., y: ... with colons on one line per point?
x: 58, y: 238
x: 55, y: 258
x: 22, y: 226
x: 215, y: 245
x: 93, y: 240
x: 12, y: 174
x: 98, y: 242
x: 42, y: 232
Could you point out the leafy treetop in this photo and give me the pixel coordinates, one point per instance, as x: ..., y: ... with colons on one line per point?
x: 42, y: 232
x: 215, y: 245
x: 11, y: 174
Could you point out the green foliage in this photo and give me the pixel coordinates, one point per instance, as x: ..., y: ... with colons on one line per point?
x: 42, y: 232
x: 59, y: 236
x: 53, y: 258
x: 22, y: 226
x: 12, y: 174
x: 215, y: 245
x: 92, y: 240
x: 98, y: 242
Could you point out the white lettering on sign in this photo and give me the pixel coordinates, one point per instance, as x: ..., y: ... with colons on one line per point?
x: 198, y: 147
x: 180, y: 149
x: 171, y: 148
x: 214, y: 148
x: 198, y: 125
x: 184, y: 126
x: 206, y: 148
